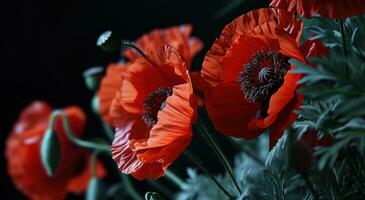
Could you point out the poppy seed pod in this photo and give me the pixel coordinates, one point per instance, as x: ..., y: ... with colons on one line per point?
x: 109, y: 41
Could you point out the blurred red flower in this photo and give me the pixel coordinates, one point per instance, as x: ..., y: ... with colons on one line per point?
x: 310, y: 139
x: 249, y: 86
x: 333, y: 9
x: 153, y: 113
x: 177, y: 36
x: 24, y: 161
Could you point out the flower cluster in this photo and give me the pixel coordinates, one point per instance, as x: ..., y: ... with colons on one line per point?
x: 249, y: 85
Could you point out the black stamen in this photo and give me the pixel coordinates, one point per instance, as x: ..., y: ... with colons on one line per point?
x: 263, y: 75
x: 153, y: 104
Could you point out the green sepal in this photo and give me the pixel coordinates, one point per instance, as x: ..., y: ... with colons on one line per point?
x: 50, y: 152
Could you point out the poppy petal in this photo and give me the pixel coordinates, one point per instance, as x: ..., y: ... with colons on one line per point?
x: 333, y: 9
x: 138, y: 81
x: 228, y: 98
x: 79, y: 183
x: 110, y: 83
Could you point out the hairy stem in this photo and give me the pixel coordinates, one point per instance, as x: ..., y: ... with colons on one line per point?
x: 175, y: 179
x: 130, y: 188
x: 219, y: 153
x: 71, y: 136
x: 206, y: 171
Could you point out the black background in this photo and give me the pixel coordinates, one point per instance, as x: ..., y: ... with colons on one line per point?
x: 47, y: 45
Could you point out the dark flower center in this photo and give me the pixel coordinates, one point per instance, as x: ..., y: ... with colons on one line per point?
x: 263, y: 75
x: 155, y: 102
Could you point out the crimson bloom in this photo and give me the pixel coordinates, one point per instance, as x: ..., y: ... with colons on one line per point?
x: 302, y: 156
x: 24, y: 160
x: 177, y: 36
x: 249, y: 84
x: 333, y: 9
x: 153, y: 112
x: 311, y: 140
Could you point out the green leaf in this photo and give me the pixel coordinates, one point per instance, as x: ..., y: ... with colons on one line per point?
x: 50, y: 152
x: 96, y: 190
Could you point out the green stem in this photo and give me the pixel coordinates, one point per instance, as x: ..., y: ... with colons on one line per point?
x: 205, y: 170
x: 71, y: 136
x: 219, y: 153
x: 175, y: 179
x: 246, y: 151
x: 108, y: 130
x: 93, y: 163
x: 310, y: 186
x: 130, y: 188
x: 160, y: 187
x: 135, y: 47
x: 344, y: 44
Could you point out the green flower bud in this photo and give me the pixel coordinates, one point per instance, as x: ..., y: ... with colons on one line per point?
x: 92, y: 77
x: 109, y: 42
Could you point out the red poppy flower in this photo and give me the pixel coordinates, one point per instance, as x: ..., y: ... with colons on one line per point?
x: 333, y: 9
x: 249, y: 84
x: 23, y: 155
x: 153, y: 113
x: 302, y: 157
x: 177, y: 36
x: 311, y: 140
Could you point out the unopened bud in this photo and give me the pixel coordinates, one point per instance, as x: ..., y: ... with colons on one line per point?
x: 108, y: 41
x: 92, y: 77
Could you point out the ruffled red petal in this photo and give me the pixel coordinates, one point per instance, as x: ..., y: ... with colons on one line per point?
x: 129, y: 127
x: 139, y: 79
x: 36, y: 113
x: 79, y: 183
x: 260, y: 25
x: 263, y: 29
x: 231, y: 114
x: 333, y: 9
x: 109, y: 85
x: 174, y: 126
x: 145, y: 152
x: 177, y: 36
x: 286, y: 100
